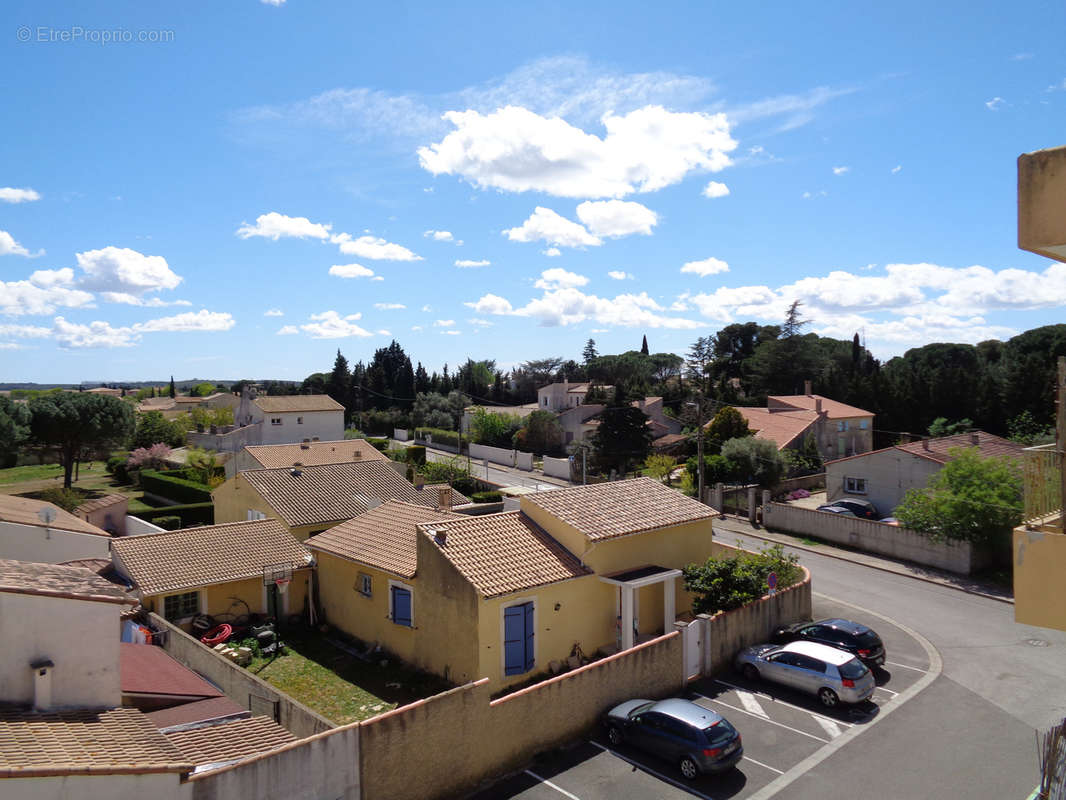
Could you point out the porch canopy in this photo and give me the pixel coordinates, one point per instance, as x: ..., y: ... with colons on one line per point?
x: 632, y: 579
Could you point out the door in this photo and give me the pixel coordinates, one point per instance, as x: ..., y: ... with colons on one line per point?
x: 782, y: 668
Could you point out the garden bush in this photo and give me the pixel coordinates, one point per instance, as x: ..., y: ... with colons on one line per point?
x: 66, y: 499
x: 722, y: 584
x: 116, y: 465
x: 416, y: 454
x: 440, y: 436
x: 381, y: 443
x: 169, y: 523
x: 486, y: 497
x: 164, y: 484
x: 188, y: 514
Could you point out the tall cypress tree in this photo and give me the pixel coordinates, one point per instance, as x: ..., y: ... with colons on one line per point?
x: 173, y: 392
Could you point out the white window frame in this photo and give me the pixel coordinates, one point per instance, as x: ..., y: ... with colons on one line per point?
x: 850, y: 484
x: 275, y: 420
x: 254, y: 513
x: 520, y: 601
x: 364, y: 585
x: 201, y: 604
x: 409, y: 588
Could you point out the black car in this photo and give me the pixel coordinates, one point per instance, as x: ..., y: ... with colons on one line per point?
x: 842, y: 634
x: 689, y: 735
x: 858, y: 506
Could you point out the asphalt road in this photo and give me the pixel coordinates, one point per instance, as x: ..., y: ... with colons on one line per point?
x: 499, y: 475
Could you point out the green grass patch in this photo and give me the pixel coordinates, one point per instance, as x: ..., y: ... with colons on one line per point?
x: 340, y: 686
x: 30, y: 472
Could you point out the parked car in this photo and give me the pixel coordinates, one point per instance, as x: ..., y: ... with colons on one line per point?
x: 842, y: 634
x: 695, y: 738
x: 858, y: 506
x: 832, y: 509
x: 890, y: 520
x: 833, y: 676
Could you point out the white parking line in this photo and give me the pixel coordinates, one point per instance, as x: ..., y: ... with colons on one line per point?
x: 547, y: 782
x: 829, y: 726
x: 766, y: 719
x: 782, y: 702
x: 764, y: 766
x: 659, y: 775
x: 883, y: 689
x: 907, y: 666
x: 747, y: 699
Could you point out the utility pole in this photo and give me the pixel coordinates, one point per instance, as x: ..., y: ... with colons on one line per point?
x: 699, y: 443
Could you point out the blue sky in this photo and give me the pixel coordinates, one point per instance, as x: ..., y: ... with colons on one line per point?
x: 238, y: 189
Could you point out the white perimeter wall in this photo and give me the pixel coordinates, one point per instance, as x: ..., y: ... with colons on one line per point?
x: 80, y: 636
x: 135, y: 526
x: 97, y: 787
x: 49, y: 545
x: 557, y: 467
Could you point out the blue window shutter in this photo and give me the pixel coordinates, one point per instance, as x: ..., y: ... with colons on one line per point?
x: 514, y: 634
x: 529, y: 636
x: 401, y: 606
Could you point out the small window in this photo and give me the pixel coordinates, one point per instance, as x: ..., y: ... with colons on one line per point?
x: 181, y: 606
x: 364, y: 585
x: 812, y: 664
x: 254, y: 514
x: 275, y: 420
x: 400, y: 606
x: 842, y: 426
x: 863, y: 423
x: 855, y: 485
x: 299, y: 420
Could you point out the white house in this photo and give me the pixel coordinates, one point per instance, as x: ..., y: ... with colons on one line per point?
x: 32, y: 530
x: 280, y: 419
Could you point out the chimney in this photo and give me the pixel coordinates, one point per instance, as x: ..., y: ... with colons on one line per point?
x: 42, y: 683
x: 925, y: 444
x: 314, y: 438
x: 305, y: 444
x: 974, y: 438
x: 807, y: 388
x: 817, y: 403
x: 296, y: 472
x: 440, y: 535
x: 358, y: 455
x: 444, y: 498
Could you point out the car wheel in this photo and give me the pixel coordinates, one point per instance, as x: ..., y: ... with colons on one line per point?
x: 828, y: 697
x: 614, y: 736
x: 688, y: 768
x: 750, y: 672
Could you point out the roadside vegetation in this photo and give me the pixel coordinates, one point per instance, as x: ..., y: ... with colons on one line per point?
x: 722, y: 584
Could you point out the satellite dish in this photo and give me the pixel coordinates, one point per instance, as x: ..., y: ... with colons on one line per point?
x: 47, y: 515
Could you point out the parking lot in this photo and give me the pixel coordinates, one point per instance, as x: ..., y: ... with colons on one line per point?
x: 780, y: 729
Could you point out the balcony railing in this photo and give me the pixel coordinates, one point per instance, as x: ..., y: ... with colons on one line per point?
x: 1042, y: 471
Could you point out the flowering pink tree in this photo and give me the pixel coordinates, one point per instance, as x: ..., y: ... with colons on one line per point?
x: 152, y: 457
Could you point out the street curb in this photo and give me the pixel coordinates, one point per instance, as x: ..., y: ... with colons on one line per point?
x: 837, y: 555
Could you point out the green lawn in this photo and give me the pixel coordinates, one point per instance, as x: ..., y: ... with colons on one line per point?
x: 30, y: 472
x: 340, y: 686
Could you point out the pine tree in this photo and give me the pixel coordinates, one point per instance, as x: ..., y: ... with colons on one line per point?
x: 644, y: 346
x: 589, y: 353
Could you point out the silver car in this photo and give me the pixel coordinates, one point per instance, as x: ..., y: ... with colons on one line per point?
x: 832, y: 675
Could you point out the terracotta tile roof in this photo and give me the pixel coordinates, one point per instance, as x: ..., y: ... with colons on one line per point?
x: 118, y: 740
x: 192, y: 557
x: 57, y: 580
x: 780, y: 427
x: 147, y: 669
x: 989, y: 446
x: 213, y: 708
x: 297, y: 402
x: 504, y: 553
x: 24, y: 511
x: 807, y: 402
x: 101, y: 502
x: 315, y: 453
x: 607, y: 510
x: 336, y: 492
x: 229, y: 741
x: 384, y: 537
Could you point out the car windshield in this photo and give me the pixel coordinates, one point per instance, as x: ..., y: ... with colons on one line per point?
x: 867, y: 639
x: 720, y: 732
x: 852, y: 670
x: 640, y: 709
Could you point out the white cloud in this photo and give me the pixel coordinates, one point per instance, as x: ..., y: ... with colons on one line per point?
x: 709, y: 266
x: 275, y: 3
x: 1021, y: 56
x: 9, y: 247
x: 994, y: 104
x: 439, y: 236
x: 416, y: 328
x: 896, y: 169
x: 451, y: 333
x: 47, y: 278
x: 444, y: 323
x: 329, y: 325
x: 517, y: 150
x: 273, y: 312
x: 558, y: 278
x: 552, y: 252
x: 24, y: 297
x: 351, y: 271
x: 841, y: 170
x: 11, y: 195
x: 467, y: 263
x: 25, y: 331
x: 125, y: 298
x: 618, y: 275
x: 491, y: 304
x: 373, y: 248
x: 544, y: 224
x: 389, y: 306
x: 715, y: 189
x: 288, y: 330
x: 570, y: 306
x: 481, y: 323
x: 10, y: 346
x: 276, y: 226
x: 615, y: 218
x: 126, y: 271
x: 202, y: 320
x: 95, y: 334
x: 427, y: 308
x: 799, y: 108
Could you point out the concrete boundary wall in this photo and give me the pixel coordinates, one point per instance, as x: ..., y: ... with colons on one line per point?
x: 557, y: 467
x: 135, y: 526
x: 523, y: 460
x: 497, y: 455
x: 238, y: 683
x: 400, y: 434
x: 449, y: 743
x: 872, y: 536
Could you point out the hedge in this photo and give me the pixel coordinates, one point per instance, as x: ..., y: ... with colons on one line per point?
x: 381, y: 444
x: 416, y: 454
x: 440, y: 436
x: 166, y: 485
x: 486, y: 497
x: 189, y: 514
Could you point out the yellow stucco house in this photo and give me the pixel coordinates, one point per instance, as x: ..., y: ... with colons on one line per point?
x: 504, y: 595
x: 216, y: 570
x: 311, y: 499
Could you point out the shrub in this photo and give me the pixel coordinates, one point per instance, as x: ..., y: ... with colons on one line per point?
x: 722, y: 584
x: 354, y: 433
x: 716, y: 469
x: 153, y: 457
x: 486, y: 497
x: 169, y: 523
x: 381, y: 444
x: 116, y: 465
x: 66, y: 499
x: 756, y: 460
x: 166, y: 485
x: 397, y: 454
x: 798, y: 494
x: 440, y: 436
x: 416, y: 454
x: 188, y: 514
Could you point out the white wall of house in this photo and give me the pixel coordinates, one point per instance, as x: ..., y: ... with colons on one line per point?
x: 887, y: 474
x: 50, y: 545
x: 79, y: 636
x: 165, y: 786
x: 290, y: 427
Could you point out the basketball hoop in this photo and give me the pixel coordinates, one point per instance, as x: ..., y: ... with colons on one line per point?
x: 282, y: 584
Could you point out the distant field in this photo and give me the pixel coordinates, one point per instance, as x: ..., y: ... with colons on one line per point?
x: 30, y: 472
